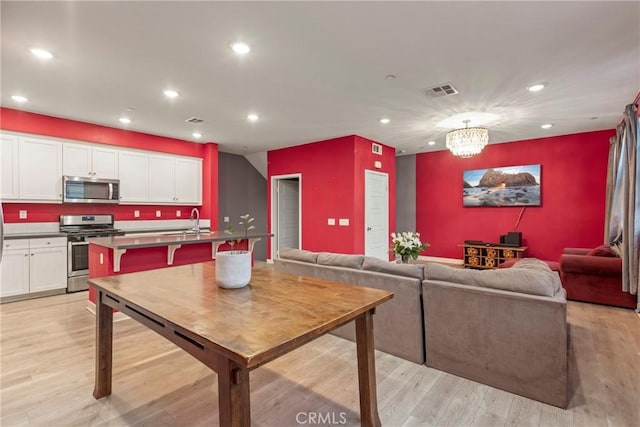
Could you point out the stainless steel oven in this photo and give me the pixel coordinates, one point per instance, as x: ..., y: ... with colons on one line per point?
x: 79, y: 228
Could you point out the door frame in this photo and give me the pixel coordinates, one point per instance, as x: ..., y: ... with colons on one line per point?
x: 274, y: 201
x: 386, y: 175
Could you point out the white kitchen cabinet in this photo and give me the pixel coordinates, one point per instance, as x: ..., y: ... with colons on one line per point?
x: 33, y: 265
x: 175, y: 180
x: 89, y: 161
x: 39, y: 169
x: 188, y: 173
x: 162, y: 179
x: 14, y: 272
x: 134, y: 176
x: 9, y: 167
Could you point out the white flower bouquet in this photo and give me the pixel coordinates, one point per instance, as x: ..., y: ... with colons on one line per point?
x: 407, y: 244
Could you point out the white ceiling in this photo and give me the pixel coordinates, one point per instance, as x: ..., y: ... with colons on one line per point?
x: 317, y: 69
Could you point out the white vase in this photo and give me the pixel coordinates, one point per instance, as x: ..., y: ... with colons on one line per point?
x: 233, y: 269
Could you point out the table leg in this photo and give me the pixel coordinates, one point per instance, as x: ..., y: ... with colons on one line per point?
x: 104, y: 346
x: 233, y: 394
x: 367, y: 371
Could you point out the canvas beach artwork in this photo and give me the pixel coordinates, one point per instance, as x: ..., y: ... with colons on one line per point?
x: 504, y: 186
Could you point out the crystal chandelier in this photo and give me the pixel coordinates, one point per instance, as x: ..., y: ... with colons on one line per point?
x: 468, y: 141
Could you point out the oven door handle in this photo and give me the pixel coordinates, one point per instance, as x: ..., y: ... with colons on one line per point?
x: 78, y: 243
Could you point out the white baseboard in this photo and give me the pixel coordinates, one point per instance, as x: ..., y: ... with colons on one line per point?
x: 443, y: 260
x: 117, y: 316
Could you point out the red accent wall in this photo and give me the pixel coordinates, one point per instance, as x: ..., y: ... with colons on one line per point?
x: 332, y: 187
x: 22, y: 121
x: 573, y: 175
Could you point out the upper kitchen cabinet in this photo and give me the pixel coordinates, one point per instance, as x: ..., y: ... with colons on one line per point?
x: 189, y: 181
x: 9, y: 167
x: 39, y: 170
x: 89, y: 161
x: 175, y: 180
x: 134, y: 176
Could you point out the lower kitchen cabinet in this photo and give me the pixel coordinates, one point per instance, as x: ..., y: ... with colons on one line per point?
x: 33, y: 267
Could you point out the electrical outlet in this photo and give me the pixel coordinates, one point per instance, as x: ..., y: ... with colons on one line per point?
x: 178, y: 213
x: 136, y: 214
x: 331, y: 221
x: 158, y: 214
x: 226, y: 219
x: 23, y: 214
x: 344, y: 221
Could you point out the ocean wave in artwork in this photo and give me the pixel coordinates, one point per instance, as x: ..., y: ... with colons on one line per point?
x: 502, y: 196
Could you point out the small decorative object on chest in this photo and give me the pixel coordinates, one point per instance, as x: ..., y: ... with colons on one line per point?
x: 406, y: 246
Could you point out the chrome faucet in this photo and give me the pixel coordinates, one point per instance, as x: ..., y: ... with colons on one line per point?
x: 195, y: 217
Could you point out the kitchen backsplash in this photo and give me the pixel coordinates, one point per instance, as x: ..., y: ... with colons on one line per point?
x: 46, y: 227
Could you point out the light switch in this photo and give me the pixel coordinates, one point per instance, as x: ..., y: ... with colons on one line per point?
x: 23, y: 214
x: 136, y: 214
x: 158, y: 213
x: 331, y: 221
x: 226, y: 219
x: 178, y: 213
x: 344, y: 221
x: 377, y: 164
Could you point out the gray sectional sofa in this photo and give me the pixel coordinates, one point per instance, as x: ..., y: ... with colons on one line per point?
x: 506, y: 328
x: 398, y: 323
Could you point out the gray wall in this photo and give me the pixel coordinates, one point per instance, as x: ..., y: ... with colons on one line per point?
x: 241, y: 190
x: 405, y: 193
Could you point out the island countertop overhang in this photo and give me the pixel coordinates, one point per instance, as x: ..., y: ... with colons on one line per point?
x: 154, y: 240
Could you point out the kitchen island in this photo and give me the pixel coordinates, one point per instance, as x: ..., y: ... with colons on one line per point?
x: 114, y: 255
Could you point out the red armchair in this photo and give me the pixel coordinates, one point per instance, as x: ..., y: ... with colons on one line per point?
x: 594, y: 278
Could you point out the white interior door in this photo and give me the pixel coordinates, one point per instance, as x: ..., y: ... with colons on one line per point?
x: 376, y: 215
x: 286, y: 215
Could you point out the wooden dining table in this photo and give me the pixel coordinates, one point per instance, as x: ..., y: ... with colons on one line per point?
x: 233, y: 331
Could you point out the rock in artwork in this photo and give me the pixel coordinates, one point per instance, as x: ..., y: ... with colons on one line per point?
x: 504, y: 186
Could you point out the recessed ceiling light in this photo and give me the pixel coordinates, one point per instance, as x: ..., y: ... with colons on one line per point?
x: 169, y: 93
x: 196, y: 135
x: 125, y: 120
x: 390, y: 76
x: 41, y: 53
x: 19, y: 98
x: 253, y: 117
x: 546, y: 125
x: 403, y: 151
x: 241, y: 48
x: 431, y: 143
x: 384, y: 121
x: 536, y: 87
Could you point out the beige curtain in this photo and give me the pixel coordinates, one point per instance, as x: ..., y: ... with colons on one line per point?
x: 623, y: 212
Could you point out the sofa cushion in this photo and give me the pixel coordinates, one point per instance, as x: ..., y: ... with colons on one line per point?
x: 298, y: 255
x: 340, y: 260
x: 381, y: 266
x: 603, y: 250
x: 527, y: 279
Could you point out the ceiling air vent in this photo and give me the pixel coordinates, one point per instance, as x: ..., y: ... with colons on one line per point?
x: 444, y: 89
x: 194, y: 120
x: 376, y: 148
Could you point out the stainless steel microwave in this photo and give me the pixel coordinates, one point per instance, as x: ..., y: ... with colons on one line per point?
x: 79, y: 189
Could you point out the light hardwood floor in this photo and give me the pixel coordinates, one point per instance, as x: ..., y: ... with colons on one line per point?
x: 47, y: 367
